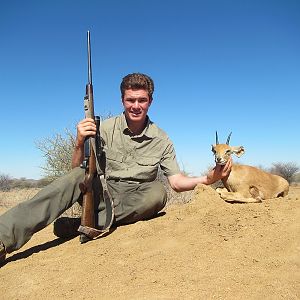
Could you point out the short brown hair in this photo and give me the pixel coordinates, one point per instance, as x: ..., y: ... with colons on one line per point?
x: 136, y: 81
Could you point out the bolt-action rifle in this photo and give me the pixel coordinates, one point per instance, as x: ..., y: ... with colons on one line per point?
x: 94, y: 168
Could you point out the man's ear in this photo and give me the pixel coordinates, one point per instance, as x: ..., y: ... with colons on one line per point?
x: 238, y: 151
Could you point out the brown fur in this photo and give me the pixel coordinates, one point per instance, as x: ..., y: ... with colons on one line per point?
x: 246, y: 184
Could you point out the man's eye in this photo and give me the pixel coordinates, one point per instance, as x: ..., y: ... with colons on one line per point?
x: 143, y: 100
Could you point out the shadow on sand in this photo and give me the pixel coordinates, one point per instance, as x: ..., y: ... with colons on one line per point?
x: 36, y: 249
x: 56, y: 242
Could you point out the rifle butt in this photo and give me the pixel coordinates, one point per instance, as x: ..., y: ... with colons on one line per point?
x: 88, y: 214
x: 87, y: 228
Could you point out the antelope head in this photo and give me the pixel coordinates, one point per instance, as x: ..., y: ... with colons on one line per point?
x: 222, y: 152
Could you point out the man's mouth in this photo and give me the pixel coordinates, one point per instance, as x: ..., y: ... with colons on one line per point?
x: 135, y: 114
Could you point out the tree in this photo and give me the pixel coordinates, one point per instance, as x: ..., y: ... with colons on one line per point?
x: 286, y: 170
x: 57, y: 151
x: 5, y: 182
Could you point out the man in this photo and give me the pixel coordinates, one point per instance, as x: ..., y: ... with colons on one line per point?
x: 135, y: 148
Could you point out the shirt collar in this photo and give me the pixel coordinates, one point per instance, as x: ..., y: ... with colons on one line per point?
x: 148, y: 130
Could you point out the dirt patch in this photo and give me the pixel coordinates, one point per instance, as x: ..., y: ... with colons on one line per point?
x: 206, y: 249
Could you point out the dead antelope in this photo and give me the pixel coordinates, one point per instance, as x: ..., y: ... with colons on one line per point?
x: 246, y: 184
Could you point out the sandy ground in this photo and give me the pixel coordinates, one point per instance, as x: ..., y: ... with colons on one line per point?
x: 206, y: 249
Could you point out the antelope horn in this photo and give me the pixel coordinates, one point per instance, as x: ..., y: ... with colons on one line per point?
x: 217, y: 140
x: 228, y: 139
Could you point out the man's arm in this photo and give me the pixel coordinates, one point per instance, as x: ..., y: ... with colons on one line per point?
x: 85, y: 128
x: 181, y: 183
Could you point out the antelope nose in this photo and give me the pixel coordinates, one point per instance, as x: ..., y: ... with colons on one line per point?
x: 218, y: 159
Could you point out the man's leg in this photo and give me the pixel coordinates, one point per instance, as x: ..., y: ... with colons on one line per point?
x: 135, y: 202
x: 67, y: 227
x: 18, y: 224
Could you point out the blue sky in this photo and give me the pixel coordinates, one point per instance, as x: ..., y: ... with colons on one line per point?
x: 217, y: 65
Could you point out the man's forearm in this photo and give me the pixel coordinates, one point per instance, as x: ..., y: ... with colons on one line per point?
x: 77, y: 157
x: 182, y: 183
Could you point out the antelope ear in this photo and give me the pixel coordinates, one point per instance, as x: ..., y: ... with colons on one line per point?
x: 238, y: 151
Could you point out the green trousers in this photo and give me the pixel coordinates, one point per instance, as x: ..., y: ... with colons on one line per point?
x: 133, y: 202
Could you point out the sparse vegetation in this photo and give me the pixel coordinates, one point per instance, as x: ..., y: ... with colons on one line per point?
x: 5, y: 182
x: 286, y: 170
x: 8, y: 183
x: 296, y: 178
x: 57, y: 151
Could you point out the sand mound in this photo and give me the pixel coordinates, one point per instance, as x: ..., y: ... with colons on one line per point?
x: 206, y: 249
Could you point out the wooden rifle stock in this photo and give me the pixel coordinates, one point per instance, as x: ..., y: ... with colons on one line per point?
x: 87, y: 218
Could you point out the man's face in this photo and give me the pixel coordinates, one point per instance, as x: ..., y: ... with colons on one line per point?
x: 136, y: 104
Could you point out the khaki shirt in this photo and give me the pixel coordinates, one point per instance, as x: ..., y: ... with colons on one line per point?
x: 136, y: 158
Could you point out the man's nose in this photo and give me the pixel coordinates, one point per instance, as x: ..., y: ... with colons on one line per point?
x: 136, y: 104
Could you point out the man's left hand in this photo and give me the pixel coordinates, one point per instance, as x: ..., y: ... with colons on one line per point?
x: 219, y: 172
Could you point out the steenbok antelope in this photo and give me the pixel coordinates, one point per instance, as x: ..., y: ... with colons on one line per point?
x: 246, y: 184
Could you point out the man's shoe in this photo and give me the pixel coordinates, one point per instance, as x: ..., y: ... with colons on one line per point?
x: 65, y: 227
x: 2, y: 253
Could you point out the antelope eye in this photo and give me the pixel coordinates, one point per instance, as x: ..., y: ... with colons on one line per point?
x: 228, y: 151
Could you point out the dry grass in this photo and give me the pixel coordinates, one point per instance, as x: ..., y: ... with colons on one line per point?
x: 15, y: 196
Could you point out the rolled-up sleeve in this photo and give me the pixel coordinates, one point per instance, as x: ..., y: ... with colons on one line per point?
x: 169, y: 164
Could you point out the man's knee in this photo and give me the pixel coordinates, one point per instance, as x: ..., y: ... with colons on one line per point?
x: 155, y: 196
x: 146, y: 201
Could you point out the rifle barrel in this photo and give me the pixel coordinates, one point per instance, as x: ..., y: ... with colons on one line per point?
x: 89, y: 57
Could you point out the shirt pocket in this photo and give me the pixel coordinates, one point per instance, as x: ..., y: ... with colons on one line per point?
x: 148, y: 167
x: 148, y: 161
x: 114, y: 160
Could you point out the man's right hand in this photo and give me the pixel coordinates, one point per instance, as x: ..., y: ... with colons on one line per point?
x: 85, y: 128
